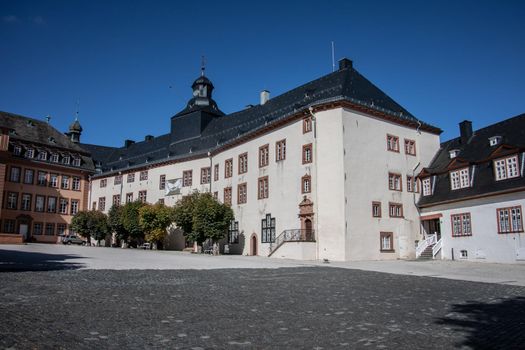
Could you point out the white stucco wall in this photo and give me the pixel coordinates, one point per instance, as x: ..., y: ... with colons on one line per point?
x: 349, y: 170
x: 485, y: 244
x: 284, y: 183
x: 367, y: 163
x: 297, y: 251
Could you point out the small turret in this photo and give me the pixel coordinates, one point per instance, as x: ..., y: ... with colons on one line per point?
x: 75, y: 130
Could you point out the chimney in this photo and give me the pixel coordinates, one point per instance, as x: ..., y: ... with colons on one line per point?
x: 128, y: 143
x: 345, y: 63
x: 265, y: 96
x: 148, y: 138
x: 465, y: 131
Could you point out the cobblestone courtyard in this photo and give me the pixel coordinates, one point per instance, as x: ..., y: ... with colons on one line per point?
x: 281, y: 308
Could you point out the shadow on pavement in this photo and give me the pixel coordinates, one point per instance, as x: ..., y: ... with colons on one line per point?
x: 17, y: 261
x: 496, y: 325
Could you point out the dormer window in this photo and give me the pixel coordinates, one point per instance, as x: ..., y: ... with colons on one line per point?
x: 494, y: 140
x: 30, y: 153
x: 54, y: 157
x: 453, y: 153
x: 66, y: 160
x: 459, y: 179
x: 506, y: 168
x: 76, y: 161
x: 427, y: 189
x: 51, y: 139
x: 42, y: 155
x: 17, y: 150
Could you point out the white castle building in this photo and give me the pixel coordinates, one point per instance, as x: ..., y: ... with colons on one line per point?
x: 324, y: 171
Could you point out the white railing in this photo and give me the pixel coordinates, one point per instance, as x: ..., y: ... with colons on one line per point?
x: 424, y: 243
x: 437, y: 247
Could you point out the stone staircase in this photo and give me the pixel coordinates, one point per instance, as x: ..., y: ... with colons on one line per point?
x: 427, y: 253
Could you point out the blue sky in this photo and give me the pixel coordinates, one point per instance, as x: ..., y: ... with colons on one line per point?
x: 131, y: 63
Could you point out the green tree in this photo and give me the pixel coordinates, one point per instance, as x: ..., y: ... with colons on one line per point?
x: 201, y: 216
x: 115, y: 223
x: 80, y: 224
x: 90, y: 224
x: 98, y: 225
x: 131, y: 222
x: 183, y: 214
x: 154, y: 220
x: 211, y: 218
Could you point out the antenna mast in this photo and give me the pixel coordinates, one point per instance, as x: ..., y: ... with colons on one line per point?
x: 333, y: 57
x: 78, y: 109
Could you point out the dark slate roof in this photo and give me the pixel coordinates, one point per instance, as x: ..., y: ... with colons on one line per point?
x: 477, y: 153
x: 42, y: 134
x: 345, y: 84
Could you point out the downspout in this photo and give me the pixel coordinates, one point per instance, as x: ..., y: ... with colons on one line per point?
x: 414, y: 195
x: 211, y: 169
x: 121, y: 186
x: 314, y: 127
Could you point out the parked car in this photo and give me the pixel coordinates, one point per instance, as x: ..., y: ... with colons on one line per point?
x: 73, y: 239
x: 145, y: 246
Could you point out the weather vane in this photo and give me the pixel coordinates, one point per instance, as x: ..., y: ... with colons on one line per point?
x: 203, y: 65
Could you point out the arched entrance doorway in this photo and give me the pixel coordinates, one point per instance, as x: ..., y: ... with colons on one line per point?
x: 308, y: 229
x: 306, y: 214
x: 253, y: 245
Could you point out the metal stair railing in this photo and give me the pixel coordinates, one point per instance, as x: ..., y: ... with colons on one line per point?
x: 293, y: 235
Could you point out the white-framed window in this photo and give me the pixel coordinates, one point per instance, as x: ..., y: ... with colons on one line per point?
x: 53, y: 180
x: 264, y: 155
x: 66, y: 160
x: 242, y: 193
x: 76, y: 183
x: 205, y: 175
x: 386, y: 241
x: 427, y: 189
x: 306, y: 184
x: 243, y: 163
x: 54, y: 157
x: 77, y: 161
x: 42, y: 155
x: 74, y: 207
x: 102, y: 203
x: 187, y: 178
x: 510, y: 220
x: 506, y: 168
x: 131, y: 177
x: 65, y: 182
x: 14, y: 176
x: 30, y: 153
x: 376, y: 209
x: 280, y: 150
x: 394, y: 182
x: 461, y: 225
x: 410, y: 147
x: 228, y: 168
x: 143, y: 196
x: 12, y: 200
x: 459, y: 179
x: 118, y: 180
x: 63, y: 205
x: 17, y: 150
x: 395, y: 210
x: 412, y: 184
x: 392, y: 143
x: 162, y: 182
x: 263, y: 189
